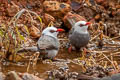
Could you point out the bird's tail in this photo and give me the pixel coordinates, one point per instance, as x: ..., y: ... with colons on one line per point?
x: 31, y: 49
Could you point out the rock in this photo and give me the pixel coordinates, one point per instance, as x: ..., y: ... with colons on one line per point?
x: 64, y: 8
x: 85, y: 77
x: 115, y: 76
x: 97, y: 17
x: 2, y: 76
x: 11, y: 10
x: 51, y: 6
x: 12, y: 75
x: 27, y: 76
x: 56, y: 9
x: 105, y: 78
x: 75, y: 5
x: 70, y: 19
x: 47, y: 18
x: 34, y: 32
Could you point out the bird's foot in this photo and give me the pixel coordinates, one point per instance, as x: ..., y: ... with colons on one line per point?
x: 84, y: 51
x: 54, y: 59
x: 70, y: 49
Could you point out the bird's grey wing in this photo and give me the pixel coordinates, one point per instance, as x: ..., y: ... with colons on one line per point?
x: 47, y: 42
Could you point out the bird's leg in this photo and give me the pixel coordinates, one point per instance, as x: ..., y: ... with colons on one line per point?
x: 54, y: 59
x: 70, y: 49
x: 84, y: 53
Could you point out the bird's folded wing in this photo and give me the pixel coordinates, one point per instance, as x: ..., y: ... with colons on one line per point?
x: 47, y: 42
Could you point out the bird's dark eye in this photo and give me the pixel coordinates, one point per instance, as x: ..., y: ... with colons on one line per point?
x: 52, y: 31
x: 81, y: 25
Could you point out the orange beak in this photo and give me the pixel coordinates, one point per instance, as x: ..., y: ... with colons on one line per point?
x: 87, y: 23
x: 59, y: 30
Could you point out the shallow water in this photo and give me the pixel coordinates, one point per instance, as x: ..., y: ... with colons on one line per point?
x: 41, y: 68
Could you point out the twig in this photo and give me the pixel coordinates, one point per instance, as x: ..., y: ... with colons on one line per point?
x: 30, y: 16
x: 93, y: 60
x: 109, y: 60
x: 29, y: 63
x: 95, y: 37
x: 109, y: 56
x: 99, y: 51
x: 115, y: 37
x: 35, y: 60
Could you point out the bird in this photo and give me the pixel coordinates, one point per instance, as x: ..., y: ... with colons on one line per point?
x: 79, y: 35
x: 47, y: 45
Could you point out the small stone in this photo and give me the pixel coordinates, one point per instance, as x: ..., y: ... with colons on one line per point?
x: 27, y: 76
x: 34, y: 32
x: 56, y: 9
x: 47, y: 18
x: 65, y: 8
x: 51, y: 6
x: 11, y: 10
x: 2, y: 76
x: 12, y: 75
x: 70, y: 19
x: 115, y: 76
x: 97, y: 16
x: 105, y: 78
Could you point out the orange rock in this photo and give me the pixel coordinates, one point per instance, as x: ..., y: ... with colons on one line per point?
x: 65, y: 8
x: 51, y: 6
x: 11, y: 10
x: 34, y: 32
x: 47, y: 18
x: 70, y: 19
x: 97, y: 16
x: 56, y: 9
x: 113, y: 13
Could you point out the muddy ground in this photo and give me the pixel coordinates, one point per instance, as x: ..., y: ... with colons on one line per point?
x: 102, y: 57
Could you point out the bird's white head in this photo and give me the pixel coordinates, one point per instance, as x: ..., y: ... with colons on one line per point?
x: 81, y: 26
x: 51, y: 31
